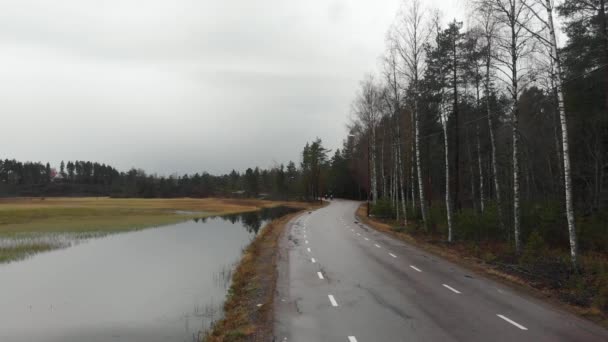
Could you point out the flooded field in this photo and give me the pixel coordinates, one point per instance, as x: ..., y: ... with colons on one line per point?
x: 159, y: 284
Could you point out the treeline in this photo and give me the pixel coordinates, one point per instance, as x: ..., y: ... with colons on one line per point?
x: 85, y: 178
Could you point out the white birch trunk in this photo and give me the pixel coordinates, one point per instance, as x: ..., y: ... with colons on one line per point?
x: 413, y: 167
x: 557, y: 76
x: 418, y: 167
x: 479, y: 164
x: 516, y: 209
x: 401, y: 179
x: 448, y: 206
x: 373, y: 173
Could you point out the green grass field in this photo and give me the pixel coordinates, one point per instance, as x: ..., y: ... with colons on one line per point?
x: 35, y: 217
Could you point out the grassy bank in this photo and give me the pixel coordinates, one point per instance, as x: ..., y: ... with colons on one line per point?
x: 248, y: 310
x: 539, y: 271
x: 31, y: 225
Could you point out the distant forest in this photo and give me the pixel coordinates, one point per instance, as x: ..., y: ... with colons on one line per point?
x: 86, y: 178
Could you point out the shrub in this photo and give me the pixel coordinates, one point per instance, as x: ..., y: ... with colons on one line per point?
x: 383, y: 209
x: 534, y: 249
x: 593, y: 232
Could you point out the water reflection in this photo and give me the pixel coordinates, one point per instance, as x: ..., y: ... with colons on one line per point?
x: 254, y: 220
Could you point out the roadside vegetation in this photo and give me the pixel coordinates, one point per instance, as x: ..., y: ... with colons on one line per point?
x: 33, y: 225
x: 248, y: 310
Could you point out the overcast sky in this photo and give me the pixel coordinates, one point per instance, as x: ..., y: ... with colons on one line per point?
x: 183, y: 85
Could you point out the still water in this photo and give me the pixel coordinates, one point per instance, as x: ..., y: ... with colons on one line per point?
x: 159, y: 284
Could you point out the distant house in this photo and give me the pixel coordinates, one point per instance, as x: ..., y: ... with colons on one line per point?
x: 57, y: 177
x: 239, y: 193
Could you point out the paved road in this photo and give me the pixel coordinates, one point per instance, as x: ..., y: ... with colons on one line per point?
x: 342, y: 281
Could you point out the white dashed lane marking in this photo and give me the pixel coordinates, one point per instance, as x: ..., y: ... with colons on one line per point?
x: 415, y: 268
x: 513, y: 322
x: 352, y: 339
x: 393, y: 255
x: 377, y: 245
x: 332, y: 300
x: 451, y: 288
x: 313, y: 260
x: 308, y: 249
x: 320, y: 275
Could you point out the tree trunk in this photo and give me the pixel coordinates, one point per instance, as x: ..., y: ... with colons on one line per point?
x: 479, y: 164
x: 501, y: 222
x: 373, y: 172
x: 565, y: 144
x: 382, y: 173
x: 457, y: 195
x: 515, y: 134
x: 418, y: 166
x: 448, y: 205
x: 401, y: 182
x: 413, y: 166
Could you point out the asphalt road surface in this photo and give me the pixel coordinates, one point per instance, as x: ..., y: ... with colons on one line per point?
x: 343, y: 281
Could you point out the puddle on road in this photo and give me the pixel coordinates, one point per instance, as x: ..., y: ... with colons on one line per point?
x: 158, y: 284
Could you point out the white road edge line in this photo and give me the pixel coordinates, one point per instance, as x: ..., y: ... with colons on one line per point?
x: 332, y: 300
x: 377, y: 245
x: 451, y: 288
x: 308, y: 249
x: 352, y: 339
x: 416, y: 268
x: 320, y: 275
x: 512, y: 322
x: 313, y: 260
x: 393, y: 255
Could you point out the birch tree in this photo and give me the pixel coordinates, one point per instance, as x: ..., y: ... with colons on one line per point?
x: 489, y: 28
x: 414, y: 34
x: 394, y: 95
x: 513, y: 42
x: 556, y: 74
x: 367, y: 110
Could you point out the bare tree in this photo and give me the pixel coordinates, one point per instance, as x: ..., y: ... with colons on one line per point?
x: 489, y: 27
x: 394, y: 95
x: 556, y: 74
x: 367, y: 109
x: 414, y: 34
x: 513, y: 42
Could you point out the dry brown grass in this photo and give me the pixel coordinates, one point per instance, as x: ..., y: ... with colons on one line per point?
x: 20, y: 215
